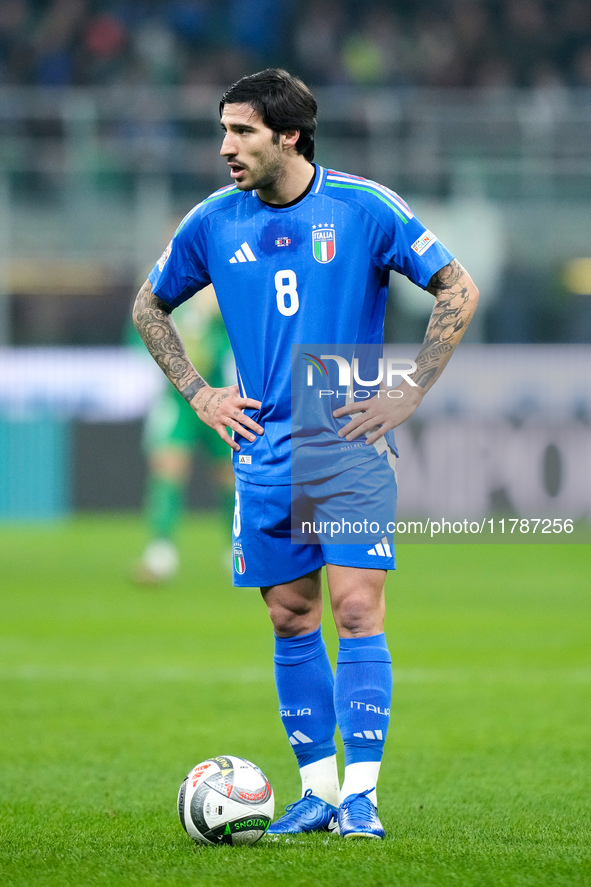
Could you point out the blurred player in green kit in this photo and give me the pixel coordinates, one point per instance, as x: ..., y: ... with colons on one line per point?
x: 173, y: 434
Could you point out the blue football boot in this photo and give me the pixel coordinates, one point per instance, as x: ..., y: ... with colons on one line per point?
x: 358, y: 817
x: 309, y: 814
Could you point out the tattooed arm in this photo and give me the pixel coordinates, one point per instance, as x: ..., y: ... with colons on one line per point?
x: 456, y: 297
x: 220, y: 408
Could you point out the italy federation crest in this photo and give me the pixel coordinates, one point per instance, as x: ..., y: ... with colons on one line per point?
x: 239, y: 564
x: 323, y: 243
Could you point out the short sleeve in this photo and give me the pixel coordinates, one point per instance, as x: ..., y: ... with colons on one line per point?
x: 405, y: 245
x: 182, y: 269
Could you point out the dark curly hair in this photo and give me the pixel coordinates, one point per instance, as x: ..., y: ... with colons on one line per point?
x: 281, y: 100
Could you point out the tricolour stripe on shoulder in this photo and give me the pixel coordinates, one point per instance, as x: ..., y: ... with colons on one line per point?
x: 187, y: 217
x: 346, y: 175
x: 345, y: 180
x: 221, y: 192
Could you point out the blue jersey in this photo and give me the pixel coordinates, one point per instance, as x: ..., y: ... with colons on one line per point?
x: 312, y: 272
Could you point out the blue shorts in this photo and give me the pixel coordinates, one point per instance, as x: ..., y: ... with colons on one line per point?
x: 283, y: 532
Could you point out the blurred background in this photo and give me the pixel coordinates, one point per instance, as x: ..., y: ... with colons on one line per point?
x: 478, y: 112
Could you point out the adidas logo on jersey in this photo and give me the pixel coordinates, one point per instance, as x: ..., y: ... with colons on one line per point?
x: 369, y: 734
x: 297, y: 737
x: 244, y: 254
x: 382, y: 549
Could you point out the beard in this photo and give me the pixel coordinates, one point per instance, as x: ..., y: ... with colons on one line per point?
x: 269, y: 174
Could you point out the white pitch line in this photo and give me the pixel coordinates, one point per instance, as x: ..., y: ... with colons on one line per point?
x: 163, y: 675
x: 248, y: 675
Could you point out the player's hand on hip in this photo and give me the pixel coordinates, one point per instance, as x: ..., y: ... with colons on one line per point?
x: 223, y: 408
x: 374, y: 417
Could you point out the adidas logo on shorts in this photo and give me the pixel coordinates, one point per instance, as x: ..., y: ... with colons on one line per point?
x: 381, y: 549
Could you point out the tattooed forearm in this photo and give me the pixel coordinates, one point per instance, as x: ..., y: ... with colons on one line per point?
x: 456, y: 297
x: 428, y: 362
x: 153, y: 322
x: 191, y: 390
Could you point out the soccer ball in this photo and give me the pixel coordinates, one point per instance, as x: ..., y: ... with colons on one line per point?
x: 225, y: 800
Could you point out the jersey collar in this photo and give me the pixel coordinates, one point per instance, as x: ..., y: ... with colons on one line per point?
x: 313, y: 188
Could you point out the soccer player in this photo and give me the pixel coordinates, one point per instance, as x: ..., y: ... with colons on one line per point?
x: 300, y: 255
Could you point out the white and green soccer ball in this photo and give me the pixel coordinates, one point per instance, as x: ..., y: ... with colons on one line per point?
x: 226, y: 800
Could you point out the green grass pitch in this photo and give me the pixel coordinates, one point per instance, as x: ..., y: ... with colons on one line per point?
x: 110, y: 694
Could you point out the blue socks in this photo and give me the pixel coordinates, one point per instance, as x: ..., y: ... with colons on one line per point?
x: 311, y: 701
x: 362, y: 696
x: 304, y: 680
